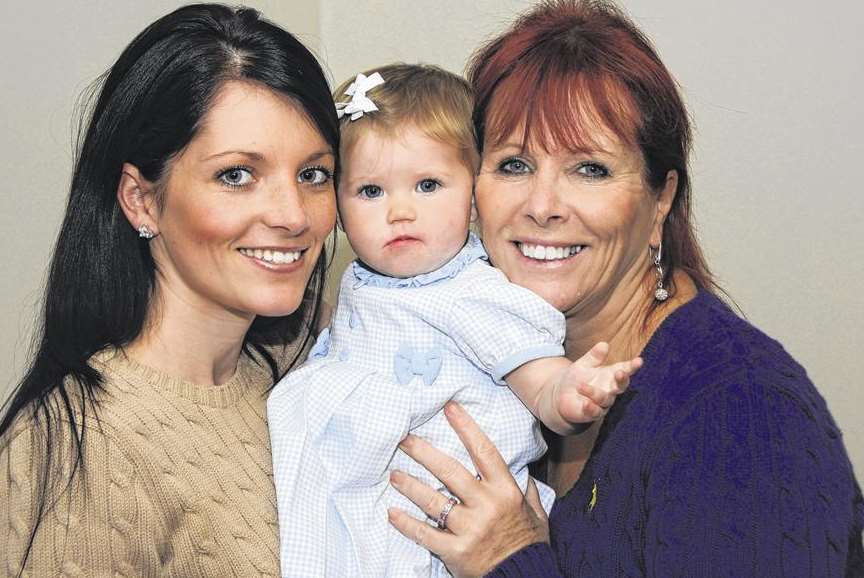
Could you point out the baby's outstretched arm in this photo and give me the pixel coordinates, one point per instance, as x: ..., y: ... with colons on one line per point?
x: 562, y: 394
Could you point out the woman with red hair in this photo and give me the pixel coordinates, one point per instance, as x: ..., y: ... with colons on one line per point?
x: 722, y: 459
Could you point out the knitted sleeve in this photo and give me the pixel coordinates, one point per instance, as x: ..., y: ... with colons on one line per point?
x: 751, y: 481
x: 100, y: 524
x: 534, y: 561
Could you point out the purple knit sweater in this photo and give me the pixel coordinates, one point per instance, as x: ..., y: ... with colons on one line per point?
x: 721, y: 460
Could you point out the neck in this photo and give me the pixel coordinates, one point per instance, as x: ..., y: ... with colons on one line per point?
x: 621, y: 321
x: 189, y: 341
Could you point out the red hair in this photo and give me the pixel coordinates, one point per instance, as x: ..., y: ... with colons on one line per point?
x: 569, y: 68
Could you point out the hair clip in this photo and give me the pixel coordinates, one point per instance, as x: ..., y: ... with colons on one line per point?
x: 359, y: 103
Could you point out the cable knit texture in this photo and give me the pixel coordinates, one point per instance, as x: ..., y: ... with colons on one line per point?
x: 721, y: 460
x: 176, y: 481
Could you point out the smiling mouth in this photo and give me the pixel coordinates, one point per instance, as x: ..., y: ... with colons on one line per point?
x: 548, y: 252
x: 272, y: 256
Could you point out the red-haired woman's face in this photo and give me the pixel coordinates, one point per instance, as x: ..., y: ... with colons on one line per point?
x: 574, y: 227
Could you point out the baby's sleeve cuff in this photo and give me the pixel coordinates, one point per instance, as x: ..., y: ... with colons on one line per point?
x: 522, y: 357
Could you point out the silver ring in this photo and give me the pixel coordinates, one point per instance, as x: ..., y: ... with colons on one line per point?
x: 441, y: 522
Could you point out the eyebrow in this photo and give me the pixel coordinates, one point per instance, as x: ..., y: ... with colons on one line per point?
x: 518, y: 146
x: 248, y: 154
x: 506, y: 146
x: 372, y: 178
x: 509, y: 144
x: 316, y: 156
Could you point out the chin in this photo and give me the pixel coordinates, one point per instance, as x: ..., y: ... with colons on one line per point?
x: 555, y: 300
x: 277, y: 307
x: 560, y: 298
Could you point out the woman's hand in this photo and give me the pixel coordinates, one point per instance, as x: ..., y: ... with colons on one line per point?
x: 492, y: 520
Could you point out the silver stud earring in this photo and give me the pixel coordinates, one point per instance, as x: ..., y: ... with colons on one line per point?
x: 144, y: 232
x: 660, y: 293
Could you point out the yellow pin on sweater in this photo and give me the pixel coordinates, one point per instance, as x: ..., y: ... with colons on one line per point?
x: 593, y: 501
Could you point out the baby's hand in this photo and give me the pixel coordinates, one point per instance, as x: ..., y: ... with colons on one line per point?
x: 589, y: 388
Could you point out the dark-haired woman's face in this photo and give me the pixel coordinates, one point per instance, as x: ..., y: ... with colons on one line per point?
x: 246, y: 208
x: 574, y: 227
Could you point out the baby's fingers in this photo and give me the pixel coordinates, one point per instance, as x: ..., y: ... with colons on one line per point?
x: 628, y: 367
x: 577, y: 408
x: 595, y: 356
x: 598, y: 396
x: 621, y: 374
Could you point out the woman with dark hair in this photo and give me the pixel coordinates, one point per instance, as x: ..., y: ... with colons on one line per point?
x: 722, y: 459
x: 185, y: 281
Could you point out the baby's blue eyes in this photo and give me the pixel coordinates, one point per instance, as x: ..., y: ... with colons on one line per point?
x: 370, y: 191
x: 427, y: 186
x: 236, y: 176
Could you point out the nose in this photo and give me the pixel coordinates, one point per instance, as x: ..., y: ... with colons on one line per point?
x: 286, y: 209
x: 401, y: 208
x: 543, y: 204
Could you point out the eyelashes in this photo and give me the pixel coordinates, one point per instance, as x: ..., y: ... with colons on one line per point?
x: 513, y: 166
x: 423, y: 186
x: 428, y: 186
x: 592, y: 170
x: 236, y: 177
x: 370, y: 192
x: 517, y: 166
x: 315, y: 175
x: 241, y: 176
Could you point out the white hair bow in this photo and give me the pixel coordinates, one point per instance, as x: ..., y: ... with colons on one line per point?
x: 359, y: 103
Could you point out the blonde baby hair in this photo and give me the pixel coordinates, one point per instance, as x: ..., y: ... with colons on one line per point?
x: 435, y: 101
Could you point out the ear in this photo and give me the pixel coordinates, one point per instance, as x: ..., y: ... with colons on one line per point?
x: 664, y: 205
x: 136, y: 196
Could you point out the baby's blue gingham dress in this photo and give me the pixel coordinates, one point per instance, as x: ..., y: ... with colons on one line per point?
x: 397, y: 350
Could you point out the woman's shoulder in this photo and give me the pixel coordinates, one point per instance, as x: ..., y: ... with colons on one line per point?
x: 706, y: 339
x: 706, y: 354
x: 53, y: 435
x: 64, y: 414
x: 86, y: 499
x: 723, y: 403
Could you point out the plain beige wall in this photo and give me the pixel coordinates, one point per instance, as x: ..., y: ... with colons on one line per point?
x: 772, y: 87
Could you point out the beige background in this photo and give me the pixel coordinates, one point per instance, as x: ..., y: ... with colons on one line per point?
x: 772, y: 87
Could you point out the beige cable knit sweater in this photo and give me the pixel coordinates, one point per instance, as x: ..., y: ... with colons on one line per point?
x: 177, y: 481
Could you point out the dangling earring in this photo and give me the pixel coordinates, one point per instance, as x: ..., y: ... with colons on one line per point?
x: 660, y: 293
x: 144, y: 232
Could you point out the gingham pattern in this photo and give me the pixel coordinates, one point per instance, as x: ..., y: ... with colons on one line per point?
x: 335, y: 423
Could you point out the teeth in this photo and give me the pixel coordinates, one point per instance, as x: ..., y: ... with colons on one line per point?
x: 546, y: 253
x: 269, y: 256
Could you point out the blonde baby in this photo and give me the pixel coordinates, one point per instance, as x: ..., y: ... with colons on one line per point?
x: 422, y: 318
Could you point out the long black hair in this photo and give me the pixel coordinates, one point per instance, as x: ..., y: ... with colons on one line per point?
x: 101, y: 278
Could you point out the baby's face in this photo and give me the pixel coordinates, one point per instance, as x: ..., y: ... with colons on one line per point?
x: 404, y: 201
